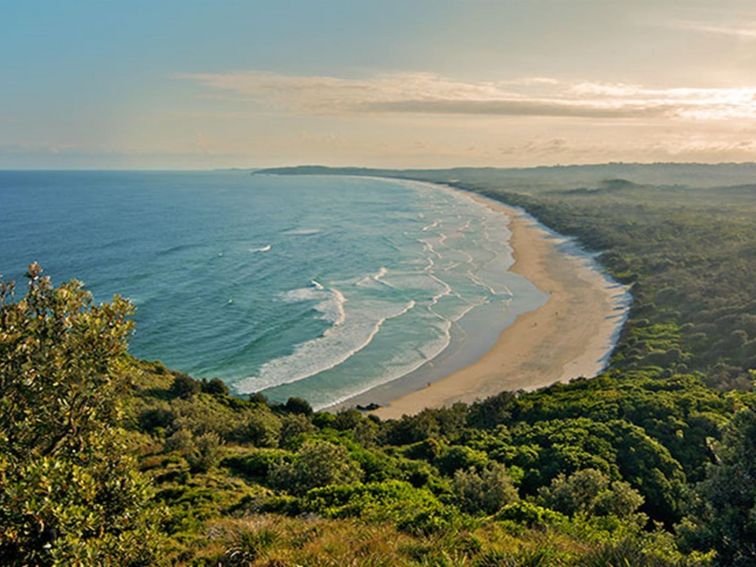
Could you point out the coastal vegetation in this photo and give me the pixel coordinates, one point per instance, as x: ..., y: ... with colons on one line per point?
x: 107, y: 459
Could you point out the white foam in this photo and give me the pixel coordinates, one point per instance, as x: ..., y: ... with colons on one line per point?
x: 265, y: 248
x: 429, y: 247
x: 303, y: 231
x: 479, y: 282
x: 470, y: 259
x: 339, y: 302
x: 426, y: 353
x: 375, y: 278
x: 325, y: 352
x: 330, y: 301
x: 447, y: 289
x: 432, y: 225
x: 467, y: 309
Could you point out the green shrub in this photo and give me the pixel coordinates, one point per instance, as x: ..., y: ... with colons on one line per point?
x: 460, y: 457
x: 294, y: 429
x: 260, y: 428
x: 411, y: 429
x: 258, y: 398
x: 204, y: 452
x: 590, y: 492
x: 298, y: 405
x: 528, y: 514
x: 347, y: 419
x: 417, y: 473
x: 69, y: 492
x: 366, y: 433
x: 322, y: 419
x: 427, y: 450
x: 180, y: 441
x: 390, y: 500
x: 723, y: 515
x: 317, y: 463
x: 159, y: 417
x: 215, y: 387
x: 184, y: 386
x: 485, y: 490
x: 255, y: 463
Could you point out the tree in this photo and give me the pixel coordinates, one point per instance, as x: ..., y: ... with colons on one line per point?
x: 184, y: 386
x: 60, y: 357
x: 205, y: 452
x: 258, y: 398
x: 294, y: 428
x: 261, y: 428
x: 347, y: 419
x: 459, y: 457
x: 492, y: 411
x: 215, y: 386
x: 69, y: 492
x: 298, y: 405
x: 724, y: 515
x: 485, y: 490
x: 590, y: 492
x: 317, y: 463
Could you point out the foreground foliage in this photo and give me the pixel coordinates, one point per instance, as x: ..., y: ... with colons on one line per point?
x: 69, y: 490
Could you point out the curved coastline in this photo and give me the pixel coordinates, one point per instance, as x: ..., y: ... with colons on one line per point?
x: 571, y: 335
x: 459, y: 281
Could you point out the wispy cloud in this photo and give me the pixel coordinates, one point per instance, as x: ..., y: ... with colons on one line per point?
x: 734, y: 31
x: 532, y: 107
x: 324, y: 93
x: 427, y: 93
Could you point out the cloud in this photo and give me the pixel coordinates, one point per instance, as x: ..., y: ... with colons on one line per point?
x: 734, y: 31
x: 519, y: 108
x: 323, y: 92
x: 699, y: 145
x: 428, y: 93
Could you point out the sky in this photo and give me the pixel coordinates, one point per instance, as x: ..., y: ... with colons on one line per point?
x: 191, y: 84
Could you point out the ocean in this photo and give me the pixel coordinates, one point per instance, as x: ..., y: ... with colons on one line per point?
x: 321, y: 287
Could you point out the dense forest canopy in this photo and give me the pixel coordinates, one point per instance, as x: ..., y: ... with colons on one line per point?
x: 105, y: 459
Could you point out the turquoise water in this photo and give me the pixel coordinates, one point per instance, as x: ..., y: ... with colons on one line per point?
x: 320, y: 287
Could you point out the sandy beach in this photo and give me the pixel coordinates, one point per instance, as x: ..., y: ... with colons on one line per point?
x: 568, y: 337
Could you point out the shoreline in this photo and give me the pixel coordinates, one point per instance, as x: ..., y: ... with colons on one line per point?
x: 582, y: 318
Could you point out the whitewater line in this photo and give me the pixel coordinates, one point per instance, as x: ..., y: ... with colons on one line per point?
x: 260, y: 383
x: 265, y: 248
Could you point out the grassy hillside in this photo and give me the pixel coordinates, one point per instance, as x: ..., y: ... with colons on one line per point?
x: 108, y: 459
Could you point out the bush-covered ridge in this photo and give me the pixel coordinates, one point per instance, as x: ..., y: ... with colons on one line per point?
x: 570, y: 475
x: 105, y: 459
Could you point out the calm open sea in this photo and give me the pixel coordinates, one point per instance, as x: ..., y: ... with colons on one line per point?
x: 315, y: 286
